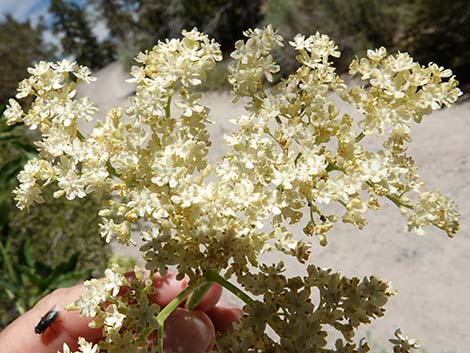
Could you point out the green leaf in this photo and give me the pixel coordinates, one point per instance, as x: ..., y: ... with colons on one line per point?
x: 4, y: 221
x: 22, y: 146
x: 9, y: 170
x: 26, y: 253
x: 67, y: 266
x: 13, y: 287
x: 67, y: 280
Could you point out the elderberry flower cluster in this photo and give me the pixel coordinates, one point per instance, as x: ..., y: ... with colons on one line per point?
x: 293, y: 155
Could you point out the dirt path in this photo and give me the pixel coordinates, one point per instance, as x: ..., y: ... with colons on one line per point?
x: 431, y: 272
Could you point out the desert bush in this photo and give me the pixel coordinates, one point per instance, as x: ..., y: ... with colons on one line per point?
x: 440, y: 32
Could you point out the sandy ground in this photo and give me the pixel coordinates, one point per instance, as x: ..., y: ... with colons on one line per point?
x: 431, y: 272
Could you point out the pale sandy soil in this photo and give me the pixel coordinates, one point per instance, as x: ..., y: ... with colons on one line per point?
x: 431, y: 272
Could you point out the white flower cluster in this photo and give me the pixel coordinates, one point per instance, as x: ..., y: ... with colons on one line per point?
x: 65, y: 158
x: 294, y: 153
x: 83, y: 346
x: 254, y: 61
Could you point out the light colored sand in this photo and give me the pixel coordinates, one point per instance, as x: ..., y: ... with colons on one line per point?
x: 431, y: 272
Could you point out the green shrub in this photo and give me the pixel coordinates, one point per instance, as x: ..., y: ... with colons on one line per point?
x: 51, y: 246
x: 440, y: 32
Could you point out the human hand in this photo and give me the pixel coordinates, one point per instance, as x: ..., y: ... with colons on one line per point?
x: 185, y: 331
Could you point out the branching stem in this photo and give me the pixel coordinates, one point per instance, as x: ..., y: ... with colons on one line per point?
x: 395, y: 200
x: 213, y: 276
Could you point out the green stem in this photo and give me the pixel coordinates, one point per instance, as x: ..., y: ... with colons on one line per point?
x: 310, y: 211
x: 167, y: 310
x: 360, y: 137
x: 333, y: 166
x: 80, y: 136
x: 398, y: 202
x: 111, y: 170
x: 7, y: 262
x: 343, y: 204
x: 198, y: 294
x: 168, y: 106
x: 213, y: 276
x: 297, y: 158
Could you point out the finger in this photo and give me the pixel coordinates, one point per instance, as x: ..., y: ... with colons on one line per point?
x: 20, y: 334
x: 224, y: 315
x: 168, y: 287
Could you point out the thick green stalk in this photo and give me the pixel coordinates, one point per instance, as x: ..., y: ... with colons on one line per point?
x: 167, y: 310
x: 198, y: 294
x: 214, y: 276
x: 332, y: 166
x: 111, y: 170
x: 211, y: 277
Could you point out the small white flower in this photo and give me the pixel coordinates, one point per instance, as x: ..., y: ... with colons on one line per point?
x: 72, y: 185
x: 64, y: 66
x: 377, y: 54
x: 300, y: 43
x: 114, y: 318
x: 87, y: 347
x: 83, y: 73
x: 13, y: 112
x: 40, y: 68
x: 90, y: 300
x: 114, y: 281
x: 65, y: 349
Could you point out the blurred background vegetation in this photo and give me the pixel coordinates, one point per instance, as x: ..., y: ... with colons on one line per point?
x: 97, y: 32
x: 55, y: 244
